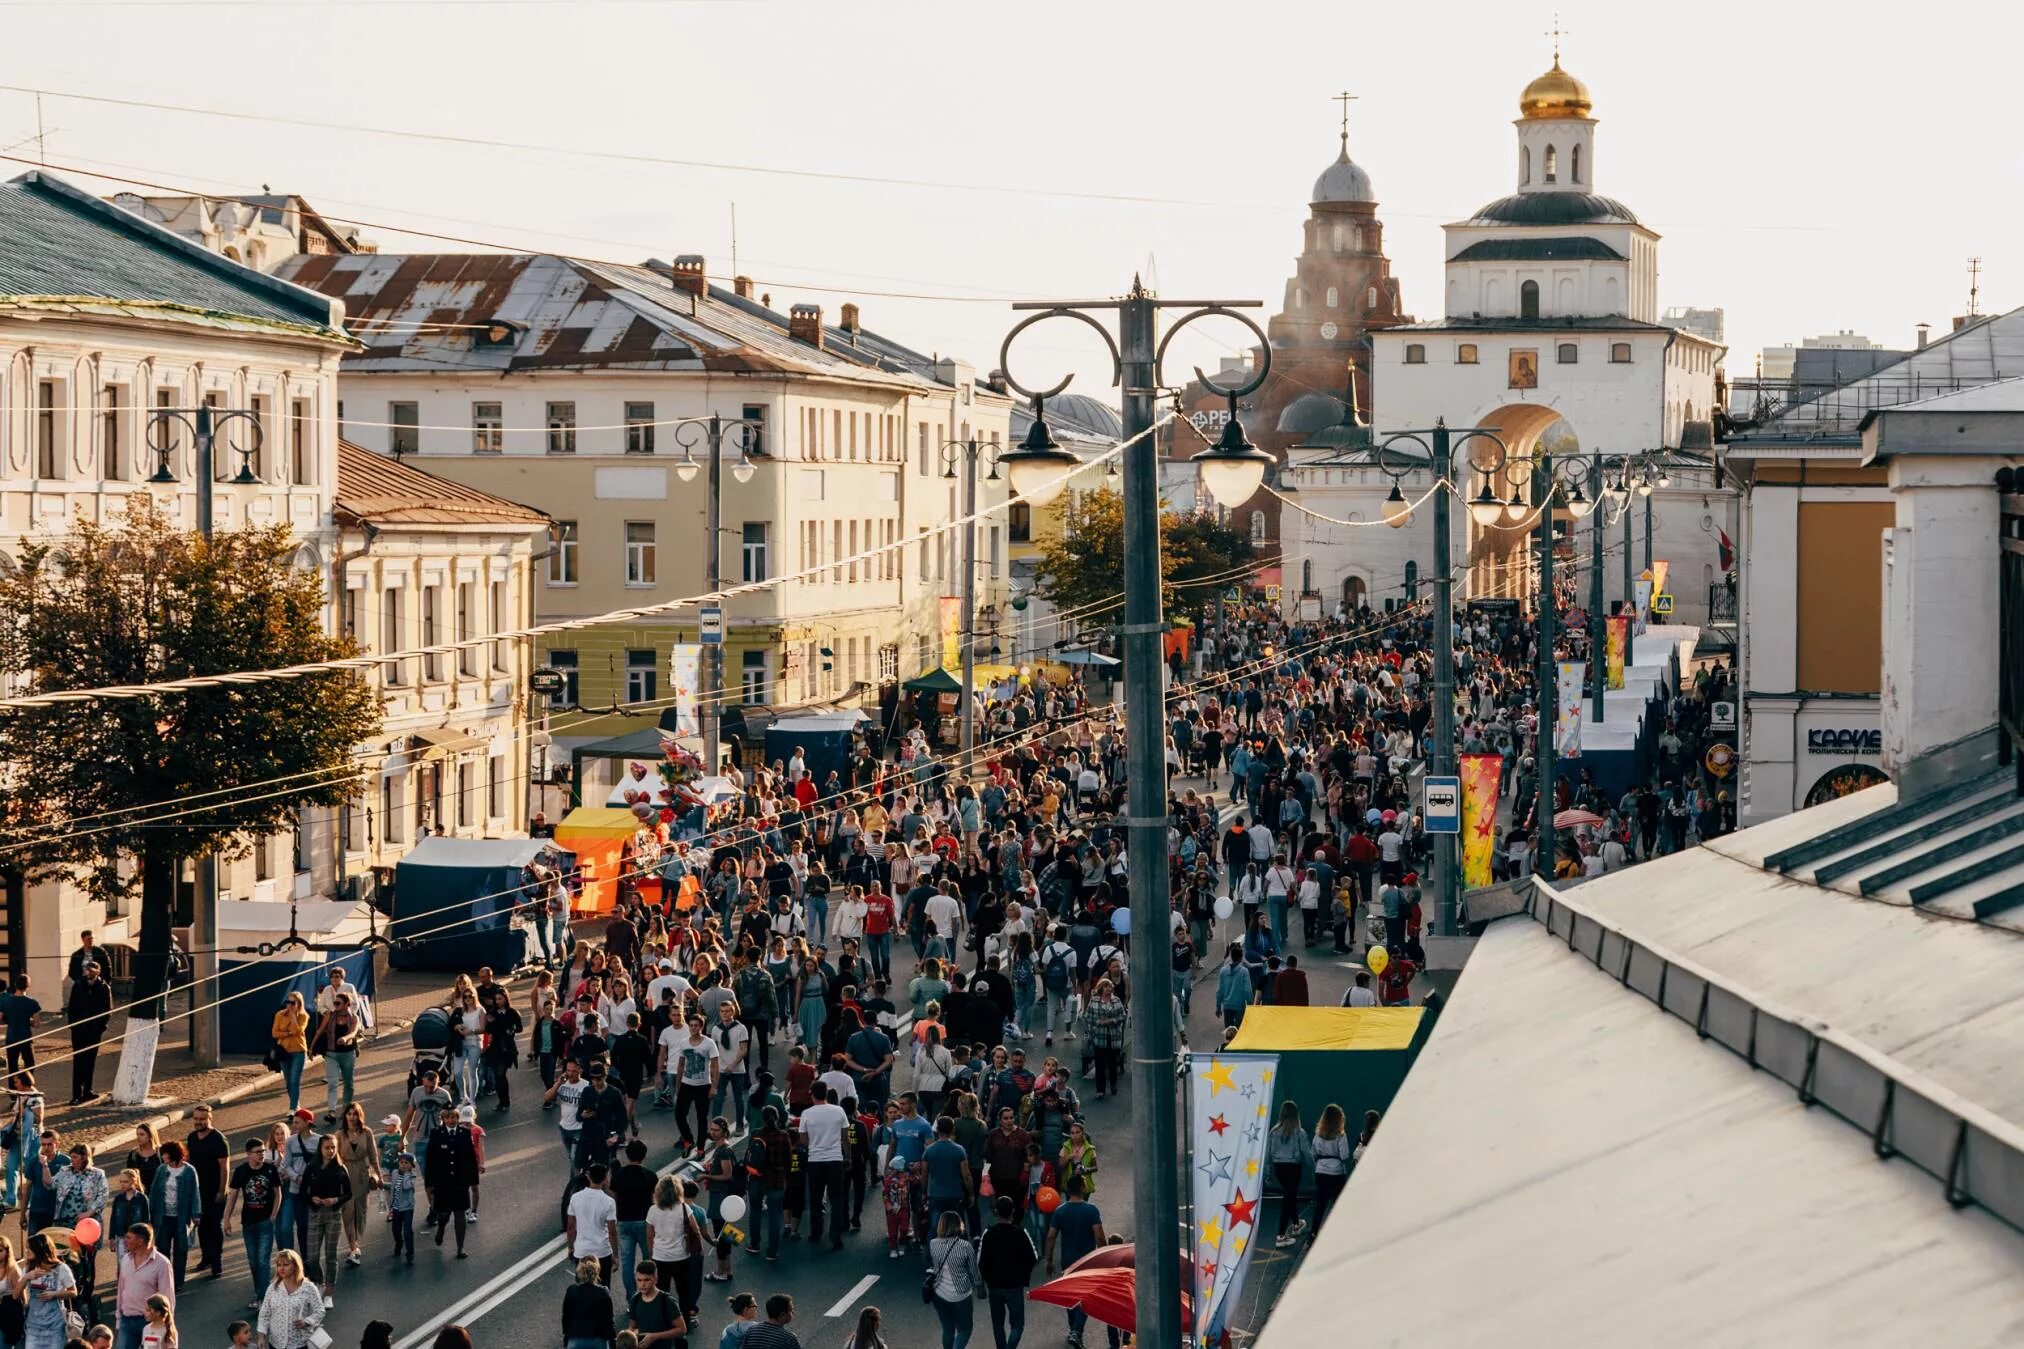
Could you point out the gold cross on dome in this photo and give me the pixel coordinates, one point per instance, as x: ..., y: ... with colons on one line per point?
x: 1556, y: 33
x: 1345, y: 98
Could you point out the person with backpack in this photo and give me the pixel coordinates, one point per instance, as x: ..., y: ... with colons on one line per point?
x: 1059, y: 963
x: 1025, y: 977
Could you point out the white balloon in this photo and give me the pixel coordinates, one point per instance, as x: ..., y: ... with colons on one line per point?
x: 1224, y: 908
x: 732, y: 1209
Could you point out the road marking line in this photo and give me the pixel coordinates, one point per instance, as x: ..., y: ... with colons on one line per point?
x: 850, y: 1299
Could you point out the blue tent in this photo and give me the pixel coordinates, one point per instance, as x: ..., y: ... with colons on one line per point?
x: 470, y: 888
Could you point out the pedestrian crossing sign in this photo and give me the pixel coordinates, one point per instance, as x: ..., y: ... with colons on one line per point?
x: 1662, y: 603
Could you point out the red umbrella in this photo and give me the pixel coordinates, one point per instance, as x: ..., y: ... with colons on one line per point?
x: 1569, y: 818
x: 1109, y: 1295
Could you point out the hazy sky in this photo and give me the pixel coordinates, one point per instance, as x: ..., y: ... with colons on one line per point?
x: 1810, y: 166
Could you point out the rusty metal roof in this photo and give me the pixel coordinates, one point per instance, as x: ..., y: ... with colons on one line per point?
x: 383, y: 491
x: 428, y: 312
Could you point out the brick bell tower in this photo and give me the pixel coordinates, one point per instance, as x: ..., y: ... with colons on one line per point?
x: 1341, y: 289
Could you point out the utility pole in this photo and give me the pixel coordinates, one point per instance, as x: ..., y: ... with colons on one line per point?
x: 1598, y: 626
x: 1549, y: 672
x: 206, y: 1044
x: 713, y: 652
x: 1446, y: 877
x: 970, y: 449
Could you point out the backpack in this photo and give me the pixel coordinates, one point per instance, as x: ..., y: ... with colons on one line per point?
x: 1056, y: 973
x: 1022, y: 972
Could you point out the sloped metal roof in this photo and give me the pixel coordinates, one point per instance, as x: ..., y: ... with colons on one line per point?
x: 428, y: 312
x: 1569, y: 1165
x: 67, y: 250
x: 1537, y: 250
x: 382, y: 490
x: 1982, y: 352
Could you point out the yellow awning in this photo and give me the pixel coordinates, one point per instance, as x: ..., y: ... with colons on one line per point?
x: 1286, y: 1028
x: 442, y: 742
x: 597, y: 822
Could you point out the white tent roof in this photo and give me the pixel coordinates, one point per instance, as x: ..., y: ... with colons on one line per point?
x: 1567, y: 1164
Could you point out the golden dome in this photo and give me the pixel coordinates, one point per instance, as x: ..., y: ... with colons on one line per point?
x: 1556, y: 95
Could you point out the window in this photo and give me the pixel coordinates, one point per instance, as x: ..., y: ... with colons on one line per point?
x: 1416, y: 353
x: 1524, y: 165
x: 1370, y: 300
x: 347, y: 612
x: 1528, y: 300
x: 1307, y: 576
x: 301, y: 464
x: 997, y: 554
x: 392, y: 808
x: 639, y: 428
x: 467, y: 800
x: 755, y: 417
x: 1567, y: 353
x: 754, y: 678
x: 1412, y: 580
x: 112, y: 445
x: 1257, y: 525
x: 390, y: 633
x: 565, y: 662
x: 562, y: 428
x: 495, y: 786
x: 221, y: 468
x: 488, y: 428
x: 852, y: 554
x: 404, y: 436
x: 263, y: 859
x: 1465, y: 354
x: 432, y: 663
x: 1019, y: 520
x: 1333, y: 297
x: 467, y: 619
x: 641, y: 684
x: 253, y: 441
x: 921, y: 459
x: 639, y: 553
x: 562, y: 562
x: 758, y: 534
x: 48, y: 457
x: 1619, y: 353
x: 1335, y: 238
x: 501, y: 622
x: 1574, y: 164
x: 340, y: 418
x: 1552, y: 164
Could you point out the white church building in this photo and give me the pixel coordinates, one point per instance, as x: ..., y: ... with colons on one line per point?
x: 1551, y: 334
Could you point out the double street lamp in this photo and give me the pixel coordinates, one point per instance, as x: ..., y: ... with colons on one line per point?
x: 1232, y: 471
x: 710, y: 433
x: 969, y: 453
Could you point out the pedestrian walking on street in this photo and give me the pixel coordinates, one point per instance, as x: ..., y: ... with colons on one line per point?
x: 954, y: 1280
x: 327, y: 1187
x: 1332, y: 1158
x: 1290, y: 1153
x: 292, y: 1308
x: 772, y: 1333
x: 290, y: 1031
x: 359, y: 1150
x: 867, y: 1336
x: 88, y: 1010
x: 587, y: 1321
x: 450, y: 1173
x: 1005, y: 1260
x: 256, y: 1201
x: 21, y: 1014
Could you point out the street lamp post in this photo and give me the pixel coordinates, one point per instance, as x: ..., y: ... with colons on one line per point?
x: 1232, y: 471
x: 1549, y: 671
x: 969, y: 452
x: 1488, y: 458
x: 204, y: 425
x: 709, y: 431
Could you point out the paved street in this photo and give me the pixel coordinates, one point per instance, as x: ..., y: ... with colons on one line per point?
x: 510, y: 1291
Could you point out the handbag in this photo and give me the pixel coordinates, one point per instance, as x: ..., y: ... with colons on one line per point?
x: 271, y: 1060
x: 928, y: 1283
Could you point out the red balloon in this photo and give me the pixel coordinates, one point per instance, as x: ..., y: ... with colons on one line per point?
x: 87, y: 1232
x: 1047, y: 1199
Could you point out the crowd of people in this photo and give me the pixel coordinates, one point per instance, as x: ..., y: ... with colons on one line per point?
x: 891, y: 989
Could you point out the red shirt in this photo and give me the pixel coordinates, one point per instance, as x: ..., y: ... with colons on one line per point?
x: 800, y: 1078
x: 878, y: 914
x: 1395, y: 985
x: 804, y: 791
x: 1361, y: 850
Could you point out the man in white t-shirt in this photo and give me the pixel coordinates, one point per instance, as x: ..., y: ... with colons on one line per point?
x: 691, y: 1057
x: 1390, y: 846
x: 823, y: 1125
x: 593, y: 1223
x: 1362, y: 995
x: 667, y: 979
x: 945, y: 911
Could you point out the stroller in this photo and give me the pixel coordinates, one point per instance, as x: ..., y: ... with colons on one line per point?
x: 431, y: 1039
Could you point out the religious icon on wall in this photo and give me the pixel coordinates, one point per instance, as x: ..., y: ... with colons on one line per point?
x: 1524, y: 369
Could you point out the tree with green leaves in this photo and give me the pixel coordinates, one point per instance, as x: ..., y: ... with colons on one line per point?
x: 117, y: 794
x: 1082, y: 568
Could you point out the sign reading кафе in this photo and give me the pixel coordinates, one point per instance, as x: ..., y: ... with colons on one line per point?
x: 1844, y: 740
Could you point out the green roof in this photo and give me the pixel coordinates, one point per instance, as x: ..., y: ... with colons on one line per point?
x: 61, y: 245
x: 1537, y: 250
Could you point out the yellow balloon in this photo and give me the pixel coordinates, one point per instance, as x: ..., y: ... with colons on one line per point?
x: 1377, y: 958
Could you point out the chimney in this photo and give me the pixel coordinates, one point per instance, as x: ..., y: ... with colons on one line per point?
x: 804, y: 324
x: 743, y: 286
x: 1925, y: 335
x: 689, y: 275
x: 850, y: 319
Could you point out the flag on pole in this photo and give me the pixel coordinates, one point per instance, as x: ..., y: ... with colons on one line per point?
x: 1481, y: 777
x: 1644, y: 600
x: 1567, y: 709
x: 1619, y: 639
x: 1231, y: 1096
x: 1728, y: 549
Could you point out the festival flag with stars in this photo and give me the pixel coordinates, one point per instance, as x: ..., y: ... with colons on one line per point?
x: 1567, y: 709
x: 1232, y: 1099
x: 1619, y: 640
x: 1480, y: 780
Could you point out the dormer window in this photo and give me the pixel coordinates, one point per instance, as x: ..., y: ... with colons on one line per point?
x: 1552, y: 164
x: 497, y: 335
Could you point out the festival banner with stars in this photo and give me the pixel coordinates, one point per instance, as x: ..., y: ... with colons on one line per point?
x: 1481, y: 775
x: 1232, y: 1106
x: 1567, y: 709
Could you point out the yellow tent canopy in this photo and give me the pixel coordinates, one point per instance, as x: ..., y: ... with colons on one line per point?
x: 1292, y: 1028
x: 598, y: 822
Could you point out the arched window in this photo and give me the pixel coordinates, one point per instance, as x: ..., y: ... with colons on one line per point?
x: 1524, y: 165
x: 1257, y: 526
x: 1412, y: 580
x: 1358, y: 243
x: 1574, y: 164
x: 1552, y: 164
x: 1528, y: 300
x: 1307, y: 576
x: 1332, y: 297
x: 1300, y: 297
x: 1370, y: 299
x: 1337, y: 238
